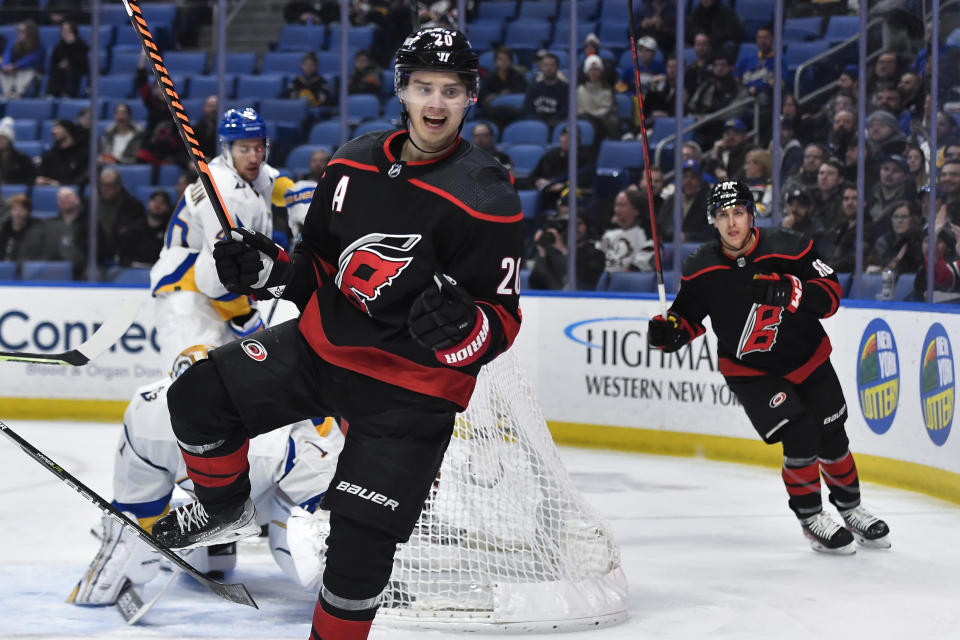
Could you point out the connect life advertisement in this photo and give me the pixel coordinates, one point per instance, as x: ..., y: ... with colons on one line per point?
x: 55, y: 319
x: 587, y: 359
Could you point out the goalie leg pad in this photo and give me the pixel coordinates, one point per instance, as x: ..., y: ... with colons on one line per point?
x: 383, y: 482
x: 122, y: 557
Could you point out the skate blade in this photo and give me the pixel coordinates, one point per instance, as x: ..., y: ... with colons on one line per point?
x: 246, y: 531
x: 846, y: 550
x: 879, y: 543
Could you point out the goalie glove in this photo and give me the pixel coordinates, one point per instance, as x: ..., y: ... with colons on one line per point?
x: 446, y: 320
x: 665, y: 333
x: 778, y: 290
x: 250, y: 263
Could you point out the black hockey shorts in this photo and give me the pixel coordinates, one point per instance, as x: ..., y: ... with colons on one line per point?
x: 395, y: 438
x: 772, y: 403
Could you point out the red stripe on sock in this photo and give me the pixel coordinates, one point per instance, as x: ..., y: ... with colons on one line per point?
x: 843, y: 472
x: 801, y: 481
x: 328, y: 627
x: 218, y: 471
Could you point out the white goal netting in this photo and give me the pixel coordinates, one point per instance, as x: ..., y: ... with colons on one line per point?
x: 504, y: 540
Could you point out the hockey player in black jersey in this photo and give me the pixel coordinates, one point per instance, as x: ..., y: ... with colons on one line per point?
x: 406, y: 276
x: 765, y: 291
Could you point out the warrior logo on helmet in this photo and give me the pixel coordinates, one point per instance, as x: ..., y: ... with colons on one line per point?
x: 729, y: 194
x: 372, y: 263
x: 437, y: 49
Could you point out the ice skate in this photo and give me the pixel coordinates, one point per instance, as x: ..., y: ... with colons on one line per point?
x: 868, y: 529
x: 191, y: 526
x: 826, y: 535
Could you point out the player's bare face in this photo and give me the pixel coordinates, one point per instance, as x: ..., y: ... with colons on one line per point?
x: 435, y: 102
x: 734, y: 224
x: 248, y: 157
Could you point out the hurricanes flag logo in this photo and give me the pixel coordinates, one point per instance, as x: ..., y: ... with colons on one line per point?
x: 371, y: 263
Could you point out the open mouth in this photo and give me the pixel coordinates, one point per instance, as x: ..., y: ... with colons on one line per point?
x: 434, y: 122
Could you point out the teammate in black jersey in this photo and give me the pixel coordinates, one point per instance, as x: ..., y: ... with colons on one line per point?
x: 765, y: 291
x: 407, y: 280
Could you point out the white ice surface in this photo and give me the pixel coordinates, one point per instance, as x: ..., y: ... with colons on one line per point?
x: 710, y: 550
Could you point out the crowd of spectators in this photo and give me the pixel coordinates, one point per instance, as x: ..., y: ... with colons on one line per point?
x: 818, y: 159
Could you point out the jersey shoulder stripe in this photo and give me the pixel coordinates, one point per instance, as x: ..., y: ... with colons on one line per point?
x: 476, y: 183
x: 785, y: 244
x: 705, y: 258
x: 359, y: 152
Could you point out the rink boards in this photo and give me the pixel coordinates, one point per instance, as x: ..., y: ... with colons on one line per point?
x: 597, y: 382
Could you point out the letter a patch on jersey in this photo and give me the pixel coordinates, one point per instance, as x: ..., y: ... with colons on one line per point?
x: 371, y: 264
x: 340, y: 194
x: 760, y: 331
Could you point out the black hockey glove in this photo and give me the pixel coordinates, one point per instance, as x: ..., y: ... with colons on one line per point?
x: 445, y: 319
x: 778, y: 290
x: 666, y: 334
x: 250, y: 263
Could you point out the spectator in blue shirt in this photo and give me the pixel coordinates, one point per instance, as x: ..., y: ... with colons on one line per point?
x: 652, y: 71
x: 548, y: 98
x: 756, y: 72
x: 22, y: 60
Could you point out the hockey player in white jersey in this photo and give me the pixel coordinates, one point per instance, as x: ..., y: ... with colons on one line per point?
x: 290, y: 469
x: 191, y: 306
x: 297, y: 199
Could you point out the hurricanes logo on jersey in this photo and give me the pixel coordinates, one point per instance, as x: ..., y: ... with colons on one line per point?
x: 371, y: 263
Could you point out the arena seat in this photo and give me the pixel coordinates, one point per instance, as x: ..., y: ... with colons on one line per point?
x: 30, y: 108
x: 525, y: 158
x: 298, y: 37
x: 46, y: 271
x: 526, y: 132
x: 8, y: 270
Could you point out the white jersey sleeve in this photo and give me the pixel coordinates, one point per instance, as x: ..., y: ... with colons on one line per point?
x: 246, y: 207
x: 298, y: 199
x: 147, y: 464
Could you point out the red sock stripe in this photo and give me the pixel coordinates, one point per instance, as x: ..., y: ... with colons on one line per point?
x: 843, y: 472
x: 801, y: 481
x: 328, y: 627
x: 218, y: 471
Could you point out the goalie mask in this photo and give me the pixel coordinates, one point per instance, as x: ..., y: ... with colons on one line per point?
x: 729, y: 194
x: 442, y: 50
x: 187, y: 357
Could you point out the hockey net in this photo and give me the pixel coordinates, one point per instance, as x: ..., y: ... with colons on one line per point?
x: 504, y: 540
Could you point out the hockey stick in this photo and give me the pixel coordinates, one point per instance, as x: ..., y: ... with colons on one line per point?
x: 180, y: 118
x: 234, y: 592
x: 101, y: 340
x: 646, y: 164
x: 131, y: 605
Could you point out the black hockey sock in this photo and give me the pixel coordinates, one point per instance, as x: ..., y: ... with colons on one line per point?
x: 840, y: 475
x: 329, y: 623
x: 839, y: 469
x: 801, y: 471
x: 801, y: 476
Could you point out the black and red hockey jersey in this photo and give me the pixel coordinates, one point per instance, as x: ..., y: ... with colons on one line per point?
x: 755, y: 339
x: 378, y: 230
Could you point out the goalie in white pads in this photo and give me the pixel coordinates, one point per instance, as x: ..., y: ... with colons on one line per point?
x: 289, y: 472
x: 191, y: 306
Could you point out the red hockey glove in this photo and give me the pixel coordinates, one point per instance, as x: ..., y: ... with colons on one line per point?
x: 778, y: 290
x: 445, y: 319
x: 666, y: 334
x: 249, y: 263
